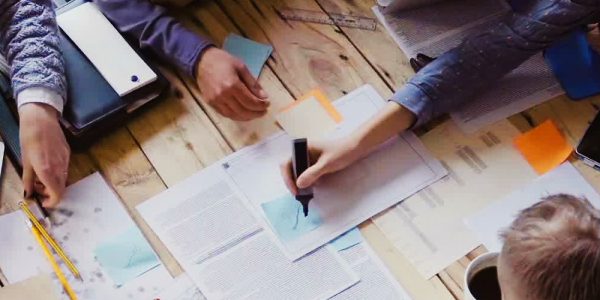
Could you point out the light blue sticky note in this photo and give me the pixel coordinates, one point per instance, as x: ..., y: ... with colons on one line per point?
x: 126, y: 256
x: 351, y: 238
x: 286, y: 217
x: 253, y: 54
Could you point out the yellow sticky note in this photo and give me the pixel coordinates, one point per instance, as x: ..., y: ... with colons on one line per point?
x: 544, y: 147
x: 310, y: 117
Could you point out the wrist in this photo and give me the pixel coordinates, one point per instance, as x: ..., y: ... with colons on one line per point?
x: 203, y: 57
x: 34, y: 112
x: 392, y: 120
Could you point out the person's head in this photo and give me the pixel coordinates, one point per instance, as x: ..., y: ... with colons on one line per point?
x: 552, y: 252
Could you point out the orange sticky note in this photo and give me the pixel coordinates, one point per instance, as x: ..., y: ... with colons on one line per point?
x: 311, y: 116
x: 544, y: 147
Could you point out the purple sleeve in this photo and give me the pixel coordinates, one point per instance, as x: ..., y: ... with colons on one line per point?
x: 154, y: 29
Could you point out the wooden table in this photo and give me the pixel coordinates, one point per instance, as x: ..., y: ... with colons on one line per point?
x: 182, y: 135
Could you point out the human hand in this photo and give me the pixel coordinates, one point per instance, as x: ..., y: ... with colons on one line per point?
x: 45, y: 153
x: 325, y: 158
x: 229, y: 87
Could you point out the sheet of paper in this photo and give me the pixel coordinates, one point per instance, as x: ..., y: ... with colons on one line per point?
x: 347, y: 240
x: 345, y: 199
x: 376, y: 281
x: 252, y: 53
x: 487, y: 223
x: 544, y: 147
x: 436, y: 28
x: 206, y: 224
x: 89, y: 214
x: 311, y: 117
x: 286, y: 217
x: 182, y: 288
x: 1, y: 158
x: 126, y: 256
x: 35, y: 288
x: 427, y: 228
x: 262, y: 263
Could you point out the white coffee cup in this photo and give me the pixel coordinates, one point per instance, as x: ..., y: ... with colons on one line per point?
x: 479, y: 263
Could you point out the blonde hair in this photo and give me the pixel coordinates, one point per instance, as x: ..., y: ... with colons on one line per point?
x: 553, y: 249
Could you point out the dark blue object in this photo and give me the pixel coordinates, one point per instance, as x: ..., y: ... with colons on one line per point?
x: 576, y: 65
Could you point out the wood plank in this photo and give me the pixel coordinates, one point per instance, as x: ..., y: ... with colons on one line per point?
x: 454, y: 289
x: 209, y: 20
x: 177, y: 136
x: 12, y: 188
x: 377, y: 46
x: 306, y: 55
x: 457, y: 270
x: 478, y: 251
x: 134, y: 179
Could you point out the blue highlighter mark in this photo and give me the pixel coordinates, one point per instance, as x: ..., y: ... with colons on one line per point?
x: 287, y: 219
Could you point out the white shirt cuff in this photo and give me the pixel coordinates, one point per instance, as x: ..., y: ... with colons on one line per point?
x: 40, y: 95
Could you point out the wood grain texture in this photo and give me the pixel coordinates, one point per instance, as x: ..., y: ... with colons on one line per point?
x: 125, y: 167
x: 177, y: 136
x: 378, y: 47
x: 209, y: 20
x: 306, y: 55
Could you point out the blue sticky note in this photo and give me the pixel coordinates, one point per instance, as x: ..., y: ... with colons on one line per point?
x: 252, y: 53
x: 286, y: 217
x: 351, y: 238
x: 126, y: 256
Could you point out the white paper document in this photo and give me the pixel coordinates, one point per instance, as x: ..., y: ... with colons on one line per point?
x: 437, y: 28
x: 376, y: 281
x: 427, y: 228
x: 89, y: 214
x: 207, y: 226
x: 345, y: 199
x: 182, y: 288
x: 490, y: 221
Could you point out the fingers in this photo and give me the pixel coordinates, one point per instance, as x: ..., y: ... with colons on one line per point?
x: 28, y: 179
x: 248, y: 100
x: 54, y: 182
x: 240, y: 113
x: 288, y: 176
x: 251, y: 83
x: 311, y: 175
x: 224, y: 110
x: 239, y: 104
x: 52, y: 176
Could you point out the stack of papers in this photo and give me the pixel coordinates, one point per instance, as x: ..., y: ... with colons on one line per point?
x: 436, y: 28
x: 427, y: 228
x: 85, y: 225
x: 238, y: 235
x: 398, y: 169
x: 489, y: 222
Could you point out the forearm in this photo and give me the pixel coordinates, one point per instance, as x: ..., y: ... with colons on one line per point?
x: 155, y: 30
x: 31, y: 46
x: 390, y: 121
x: 464, y: 72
